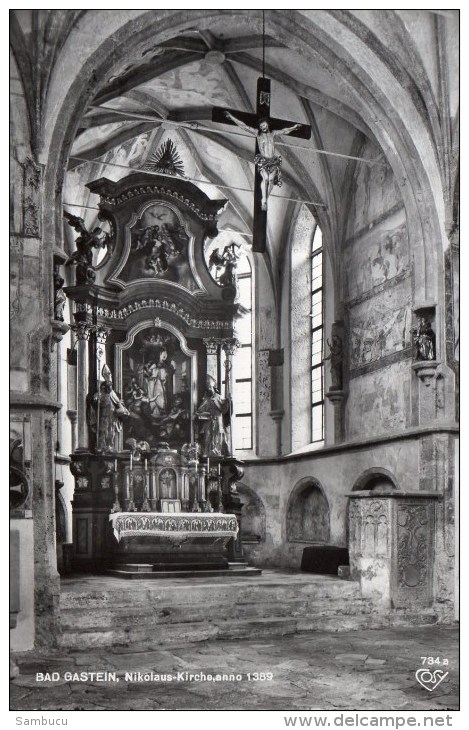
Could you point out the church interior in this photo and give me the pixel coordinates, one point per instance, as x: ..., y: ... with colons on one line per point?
x: 234, y: 323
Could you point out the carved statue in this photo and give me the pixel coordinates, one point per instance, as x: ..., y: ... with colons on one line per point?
x: 335, y: 356
x: 228, y: 261
x: 214, y: 416
x: 105, y: 413
x: 424, y: 340
x: 85, y: 243
x: 60, y: 298
x: 267, y: 162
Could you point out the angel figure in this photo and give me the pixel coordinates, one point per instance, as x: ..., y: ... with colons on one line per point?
x: 228, y: 261
x: 267, y: 162
x: 85, y: 243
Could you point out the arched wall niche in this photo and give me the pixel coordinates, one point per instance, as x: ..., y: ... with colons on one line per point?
x: 376, y: 479
x: 253, y: 525
x: 308, y: 513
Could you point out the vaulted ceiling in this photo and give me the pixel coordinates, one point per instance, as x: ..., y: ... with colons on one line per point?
x: 154, y: 92
x: 168, y: 91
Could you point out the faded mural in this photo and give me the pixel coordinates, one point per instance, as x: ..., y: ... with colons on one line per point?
x: 378, y: 401
x: 375, y: 190
x: 379, y: 326
x: 375, y: 259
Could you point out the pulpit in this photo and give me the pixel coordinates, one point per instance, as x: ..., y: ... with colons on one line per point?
x: 391, y: 545
x: 155, y: 474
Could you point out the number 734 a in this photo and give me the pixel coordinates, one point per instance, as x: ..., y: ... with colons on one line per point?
x: 430, y: 660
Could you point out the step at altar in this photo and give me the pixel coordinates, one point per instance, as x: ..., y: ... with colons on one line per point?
x: 99, y: 611
x: 139, y: 572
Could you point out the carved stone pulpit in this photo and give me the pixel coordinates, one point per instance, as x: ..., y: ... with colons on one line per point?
x: 154, y: 329
x: 391, y: 547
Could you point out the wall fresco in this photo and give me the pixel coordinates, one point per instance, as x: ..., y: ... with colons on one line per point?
x: 379, y: 326
x: 376, y: 258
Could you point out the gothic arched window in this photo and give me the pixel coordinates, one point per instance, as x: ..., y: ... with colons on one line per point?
x: 242, y: 362
x: 317, y: 337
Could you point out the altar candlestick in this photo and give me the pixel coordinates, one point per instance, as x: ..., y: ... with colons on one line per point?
x: 130, y: 461
x: 115, y: 464
x: 127, y: 486
x: 219, y: 470
x: 208, y: 467
x: 146, y: 466
x: 146, y: 493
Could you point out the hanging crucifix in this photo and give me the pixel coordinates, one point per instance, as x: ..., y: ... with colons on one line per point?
x: 268, y: 163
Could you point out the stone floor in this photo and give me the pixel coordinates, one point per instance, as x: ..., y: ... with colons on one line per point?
x: 371, y: 669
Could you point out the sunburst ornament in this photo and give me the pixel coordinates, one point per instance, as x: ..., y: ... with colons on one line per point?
x: 166, y: 159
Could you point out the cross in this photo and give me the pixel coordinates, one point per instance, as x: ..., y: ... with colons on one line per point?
x: 252, y: 121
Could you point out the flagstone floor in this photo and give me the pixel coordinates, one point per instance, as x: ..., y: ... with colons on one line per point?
x: 370, y: 669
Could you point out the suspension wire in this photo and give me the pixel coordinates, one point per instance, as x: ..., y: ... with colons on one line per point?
x: 193, y: 179
x: 198, y: 127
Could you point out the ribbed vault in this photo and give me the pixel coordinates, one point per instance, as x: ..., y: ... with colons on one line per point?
x: 361, y: 83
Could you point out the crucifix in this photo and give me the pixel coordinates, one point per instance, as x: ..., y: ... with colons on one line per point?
x: 267, y: 162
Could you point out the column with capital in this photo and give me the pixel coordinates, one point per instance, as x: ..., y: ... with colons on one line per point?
x: 82, y: 331
x: 212, y: 346
x: 97, y: 351
x: 229, y: 347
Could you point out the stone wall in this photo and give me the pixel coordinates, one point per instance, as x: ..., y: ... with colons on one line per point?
x: 33, y: 378
x: 22, y: 635
x: 265, y: 340
x: 337, y: 470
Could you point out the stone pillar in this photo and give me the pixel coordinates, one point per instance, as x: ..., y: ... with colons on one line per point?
x: 392, y: 547
x: 212, y: 347
x: 230, y: 346
x: 82, y: 330
x: 337, y: 398
x: 96, y: 359
x: 72, y: 416
x: 336, y: 393
x: 275, y: 362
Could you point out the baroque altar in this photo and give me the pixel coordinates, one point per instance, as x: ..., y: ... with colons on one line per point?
x: 154, y: 338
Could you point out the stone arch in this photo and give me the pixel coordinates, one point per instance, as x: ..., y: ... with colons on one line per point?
x: 308, y: 513
x: 375, y: 479
x: 253, y: 520
x: 405, y: 142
